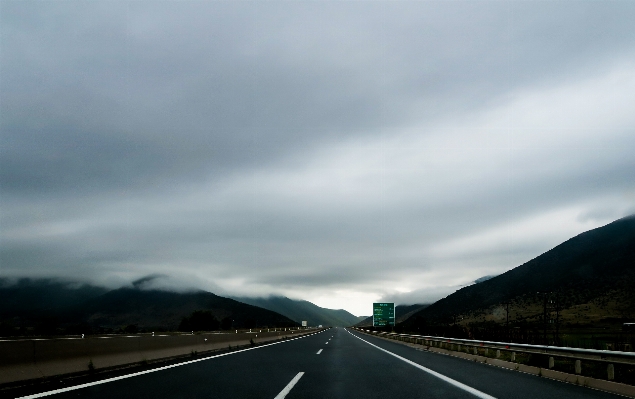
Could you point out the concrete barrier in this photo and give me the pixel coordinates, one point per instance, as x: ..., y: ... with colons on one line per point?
x: 37, y: 358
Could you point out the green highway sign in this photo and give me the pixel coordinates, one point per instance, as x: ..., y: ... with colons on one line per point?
x: 383, y: 314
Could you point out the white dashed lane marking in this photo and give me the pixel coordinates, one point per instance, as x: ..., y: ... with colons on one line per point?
x: 289, y: 386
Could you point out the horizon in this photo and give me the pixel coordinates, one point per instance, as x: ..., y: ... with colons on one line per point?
x: 159, y: 282
x: 338, y: 153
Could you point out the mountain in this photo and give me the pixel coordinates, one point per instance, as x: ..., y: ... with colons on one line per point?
x: 44, y: 306
x: 298, y: 311
x: 39, y: 297
x: 589, y: 277
x: 154, y: 308
x: 402, y: 313
x: 482, y: 279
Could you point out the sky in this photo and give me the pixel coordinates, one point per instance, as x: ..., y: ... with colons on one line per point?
x: 336, y: 152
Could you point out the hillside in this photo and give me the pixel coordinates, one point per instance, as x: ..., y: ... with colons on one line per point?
x: 41, y: 297
x: 590, y: 278
x: 298, y: 311
x: 154, y: 308
x: 53, y: 307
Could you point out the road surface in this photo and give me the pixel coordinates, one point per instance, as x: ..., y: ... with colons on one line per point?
x: 335, y: 363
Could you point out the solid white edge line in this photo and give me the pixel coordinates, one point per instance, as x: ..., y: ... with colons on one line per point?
x: 121, y: 377
x: 289, y: 386
x: 318, y: 352
x: 457, y: 384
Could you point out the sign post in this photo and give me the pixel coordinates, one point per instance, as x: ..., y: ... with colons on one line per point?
x: 383, y: 314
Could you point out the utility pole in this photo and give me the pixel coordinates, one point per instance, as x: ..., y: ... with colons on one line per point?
x: 544, y: 321
x: 544, y: 317
x: 507, y: 321
x: 507, y: 313
x: 557, y: 320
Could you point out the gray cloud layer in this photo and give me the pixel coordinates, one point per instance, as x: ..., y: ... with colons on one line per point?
x: 338, y: 152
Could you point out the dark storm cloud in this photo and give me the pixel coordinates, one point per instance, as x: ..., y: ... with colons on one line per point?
x: 119, y: 95
x: 306, y: 148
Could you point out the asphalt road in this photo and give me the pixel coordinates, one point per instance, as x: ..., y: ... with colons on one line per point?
x: 335, y: 363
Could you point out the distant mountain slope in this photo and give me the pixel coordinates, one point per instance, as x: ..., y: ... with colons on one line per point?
x: 49, y: 306
x: 298, y: 311
x: 164, y: 308
x: 402, y: 313
x: 582, y: 269
x: 39, y: 297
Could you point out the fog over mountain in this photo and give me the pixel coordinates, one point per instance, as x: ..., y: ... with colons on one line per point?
x: 338, y: 152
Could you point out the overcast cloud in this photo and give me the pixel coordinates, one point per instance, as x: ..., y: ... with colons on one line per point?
x: 338, y: 152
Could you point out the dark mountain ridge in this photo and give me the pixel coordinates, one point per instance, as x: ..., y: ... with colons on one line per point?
x: 48, y: 306
x: 582, y: 268
x: 299, y: 311
x: 164, y: 308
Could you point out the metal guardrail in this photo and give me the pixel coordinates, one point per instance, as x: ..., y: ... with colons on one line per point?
x: 608, y: 357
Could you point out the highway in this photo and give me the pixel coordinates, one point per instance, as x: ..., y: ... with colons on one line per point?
x: 335, y: 363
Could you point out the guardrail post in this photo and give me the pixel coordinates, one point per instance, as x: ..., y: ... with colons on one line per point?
x: 458, y: 347
x: 610, y: 370
x: 498, y: 353
x: 486, y: 351
x: 475, y: 350
x: 513, y: 356
x: 578, y: 366
x: 551, y: 362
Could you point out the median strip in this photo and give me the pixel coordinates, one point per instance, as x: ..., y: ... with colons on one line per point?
x: 56, y: 391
